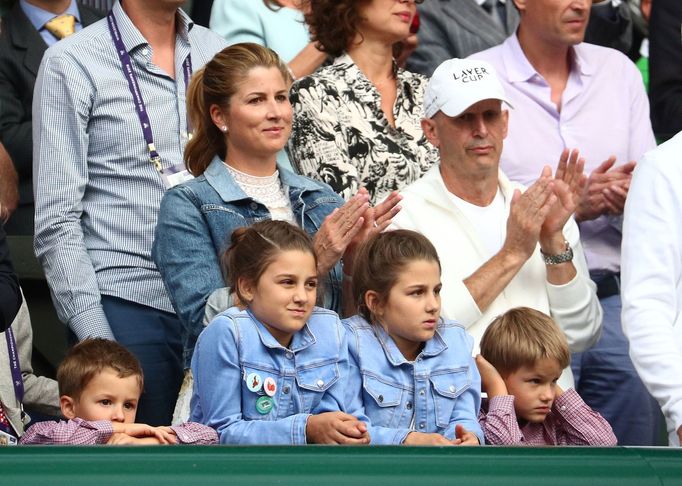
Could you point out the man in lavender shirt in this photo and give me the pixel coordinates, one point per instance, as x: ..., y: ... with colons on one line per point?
x: 570, y: 94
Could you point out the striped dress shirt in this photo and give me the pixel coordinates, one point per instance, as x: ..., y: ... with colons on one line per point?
x: 97, y: 194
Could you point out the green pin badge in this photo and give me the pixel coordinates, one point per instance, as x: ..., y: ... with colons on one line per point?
x: 264, y: 405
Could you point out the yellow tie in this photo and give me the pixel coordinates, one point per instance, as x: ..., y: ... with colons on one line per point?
x: 62, y: 26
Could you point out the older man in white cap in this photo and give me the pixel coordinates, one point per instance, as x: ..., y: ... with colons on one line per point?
x: 501, y: 245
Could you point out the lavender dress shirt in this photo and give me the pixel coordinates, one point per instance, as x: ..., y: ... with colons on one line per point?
x: 604, y: 112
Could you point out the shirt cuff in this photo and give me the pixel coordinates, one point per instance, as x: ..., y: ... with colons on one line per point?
x: 91, y: 323
x: 501, y: 402
x: 574, y: 294
x: 567, y: 404
x: 298, y: 428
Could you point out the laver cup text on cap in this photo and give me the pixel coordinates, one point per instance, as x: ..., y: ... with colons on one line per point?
x: 468, y: 75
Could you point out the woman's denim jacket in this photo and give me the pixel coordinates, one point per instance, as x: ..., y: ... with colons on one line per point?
x: 196, y: 221
x: 441, y: 388
x: 310, y: 377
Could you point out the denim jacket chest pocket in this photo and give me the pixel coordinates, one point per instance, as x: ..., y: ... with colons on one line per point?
x: 313, y: 381
x: 252, y: 383
x: 382, y: 401
x: 448, y: 385
x: 316, y: 208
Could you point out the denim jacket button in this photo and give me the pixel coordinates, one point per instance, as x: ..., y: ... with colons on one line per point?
x: 289, y: 355
x: 452, y: 388
x: 422, y: 425
x: 409, y: 405
x: 421, y: 393
x: 320, y: 383
x: 286, y: 389
x: 253, y: 206
x: 381, y: 398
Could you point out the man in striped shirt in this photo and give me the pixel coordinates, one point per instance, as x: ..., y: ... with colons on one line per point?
x: 110, y: 124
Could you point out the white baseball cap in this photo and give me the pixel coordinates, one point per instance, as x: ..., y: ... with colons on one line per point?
x: 459, y: 83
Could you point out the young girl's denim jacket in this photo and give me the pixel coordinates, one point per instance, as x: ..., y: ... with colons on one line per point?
x: 433, y: 393
x: 236, y: 358
x: 196, y: 221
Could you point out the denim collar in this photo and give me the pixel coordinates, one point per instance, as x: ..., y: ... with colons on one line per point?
x: 433, y: 346
x: 301, y: 340
x: 227, y: 188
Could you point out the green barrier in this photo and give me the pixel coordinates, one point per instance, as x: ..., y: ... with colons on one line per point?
x: 389, y: 466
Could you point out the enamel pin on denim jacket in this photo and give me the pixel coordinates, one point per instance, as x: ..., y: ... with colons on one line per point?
x: 196, y: 221
x: 432, y: 394
x: 252, y: 390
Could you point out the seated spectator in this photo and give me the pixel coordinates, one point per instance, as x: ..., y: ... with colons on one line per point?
x: 241, y: 116
x: 277, y: 24
x: 36, y: 393
x: 459, y: 28
x: 501, y: 246
x: 652, y: 278
x: 568, y: 93
x: 10, y: 294
x: 356, y: 122
x: 522, y: 355
x: 412, y: 379
x: 275, y: 370
x: 100, y: 383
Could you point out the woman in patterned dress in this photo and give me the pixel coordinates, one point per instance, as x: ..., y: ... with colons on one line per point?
x: 357, y: 123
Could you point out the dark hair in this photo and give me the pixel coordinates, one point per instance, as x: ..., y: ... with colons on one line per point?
x: 89, y: 358
x: 520, y: 337
x: 215, y: 84
x: 257, y: 246
x: 333, y: 24
x: 380, y: 260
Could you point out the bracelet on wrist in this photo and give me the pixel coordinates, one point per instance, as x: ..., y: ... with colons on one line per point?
x: 563, y: 257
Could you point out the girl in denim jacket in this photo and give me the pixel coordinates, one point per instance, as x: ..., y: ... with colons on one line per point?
x: 412, y: 376
x: 274, y: 371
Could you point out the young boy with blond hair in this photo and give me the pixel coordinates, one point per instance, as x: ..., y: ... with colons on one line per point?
x: 100, y: 383
x: 523, y: 353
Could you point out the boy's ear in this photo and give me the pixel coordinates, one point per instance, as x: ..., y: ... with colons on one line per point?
x: 68, y: 407
x: 373, y: 303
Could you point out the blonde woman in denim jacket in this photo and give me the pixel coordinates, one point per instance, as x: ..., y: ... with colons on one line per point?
x: 241, y: 116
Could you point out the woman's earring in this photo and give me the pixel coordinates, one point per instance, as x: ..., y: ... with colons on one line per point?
x: 223, y: 129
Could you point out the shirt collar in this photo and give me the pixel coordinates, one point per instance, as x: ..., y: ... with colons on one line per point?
x: 227, y: 188
x: 133, y: 38
x: 433, y: 346
x: 301, y: 339
x: 39, y: 17
x: 519, y: 68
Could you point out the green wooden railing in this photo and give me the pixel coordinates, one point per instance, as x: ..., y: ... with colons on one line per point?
x: 380, y: 466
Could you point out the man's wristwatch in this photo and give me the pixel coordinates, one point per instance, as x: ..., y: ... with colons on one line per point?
x: 563, y: 257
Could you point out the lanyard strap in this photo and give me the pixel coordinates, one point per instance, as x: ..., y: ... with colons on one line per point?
x: 17, y: 380
x: 134, y: 87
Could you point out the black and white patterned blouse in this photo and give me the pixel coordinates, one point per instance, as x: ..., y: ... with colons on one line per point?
x: 342, y: 137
